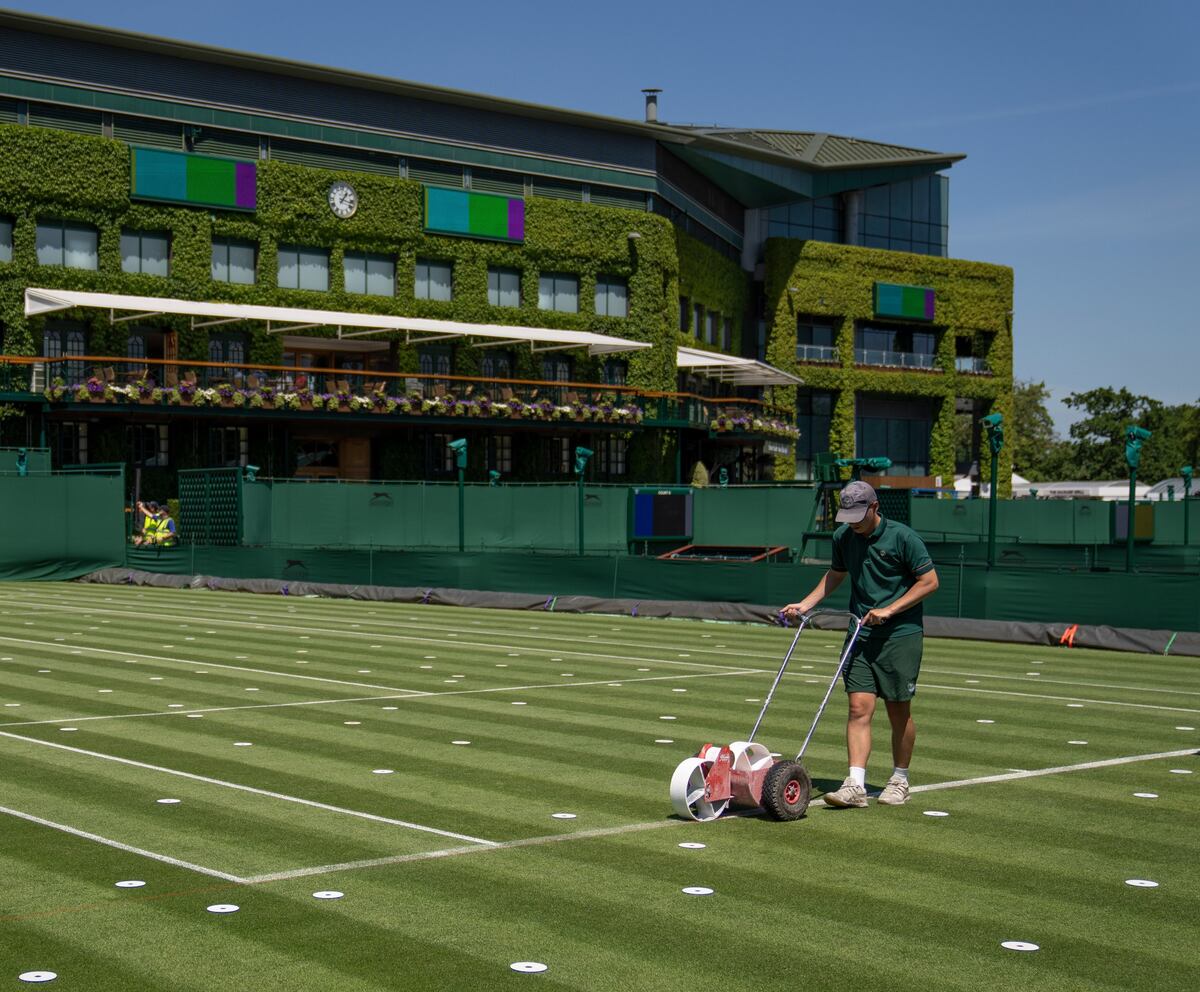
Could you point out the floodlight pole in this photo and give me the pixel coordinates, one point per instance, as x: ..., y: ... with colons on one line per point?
x: 1186, y: 472
x: 994, y: 424
x: 581, y: 459
x: 459, y: 448
x: 1134, y: 436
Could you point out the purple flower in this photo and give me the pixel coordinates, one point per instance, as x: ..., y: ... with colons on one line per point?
x: 187, y: 388
x: 95, y: 386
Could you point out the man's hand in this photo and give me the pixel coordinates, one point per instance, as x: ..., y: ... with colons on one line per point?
x: 878, y: 616
x: 794, y: 611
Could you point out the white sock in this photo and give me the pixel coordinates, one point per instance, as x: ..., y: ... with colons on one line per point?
x: 901, y: 773
x: 858, y: 776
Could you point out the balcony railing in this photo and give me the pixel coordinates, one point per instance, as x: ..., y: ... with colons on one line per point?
x: 816, y: 353
x: 895, y: 359
x: 972, y: 366
x: 240, y: 387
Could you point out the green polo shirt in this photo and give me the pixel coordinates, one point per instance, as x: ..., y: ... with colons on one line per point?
x: 882, y: 568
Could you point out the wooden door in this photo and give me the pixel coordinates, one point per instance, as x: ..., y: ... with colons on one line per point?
x: 354, y: 457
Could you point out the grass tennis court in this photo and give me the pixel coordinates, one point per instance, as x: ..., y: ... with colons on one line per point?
x: 413, y: 757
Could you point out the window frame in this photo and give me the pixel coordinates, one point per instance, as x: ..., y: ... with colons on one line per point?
x: 300, y: 252
x: 496, y: 296
x: 556, y: 293
x: 227, y: 244
x: 63, y: 227
x: 6, y: 239
x: 604, y: 289
x: 427, y: 264
x: 141, y: 235
x: 367, y: 258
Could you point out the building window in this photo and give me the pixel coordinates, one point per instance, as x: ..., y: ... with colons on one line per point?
x: 616, y: 371
x: 73, y: 246
x: 228, y: 347
x: 900, y: 347
x: 612, y: 296
x: 440, y: 457
x: 60, y: 339
x: 808, y: 220
x: 814, y: 340
x: 684, y: 311
x: 434, y: 280
x: 727, y: 334
x: 558, y: 291
x: 558, y: 456
x: 6, y: 248
x: 500, y: 452
x: 303, y: 268
x: 147, y: 252
x: 504, y: 287
x: 70, y: 440
x: 897, y: 428
x: 315, y: 453
x: 435, y: 360
x: 698, y: 321
x: 557, y: 369
x: 912, y: 215
x: 369, y: 275
x: 135, y: 344
x: 611, y: 456
x: 228, y: 447
x: 496, y: 365
x: 233, y: 261
x: 814, y: 413
x: 713, y: 333
x: 147, y: 445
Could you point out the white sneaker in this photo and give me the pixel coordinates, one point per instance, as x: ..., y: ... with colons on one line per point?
x: 851, y: 794
x: 895, y: 793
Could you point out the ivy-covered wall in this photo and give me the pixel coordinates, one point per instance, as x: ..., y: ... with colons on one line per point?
x: 709, y: 278
x: 974, y: 300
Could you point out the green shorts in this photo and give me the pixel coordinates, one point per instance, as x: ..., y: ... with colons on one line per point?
x: 886, y: 667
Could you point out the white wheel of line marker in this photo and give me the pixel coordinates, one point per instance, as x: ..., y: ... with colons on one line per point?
x: 131, y: 884
x: 691, y: 845
x: 168, y: 802
x: 1141, y: 883
x: 563, y: 816
x: 528, y: 967
x: 1146, y: 795
x: 663, y: 740
x: 1019, y: 945
x: 382, y: 771
x: 223, y: 907
x: 1181, y: 771
x: 328, y: 894
x: 697, y: 890
x: 37, y: 976
x: 936, y: 812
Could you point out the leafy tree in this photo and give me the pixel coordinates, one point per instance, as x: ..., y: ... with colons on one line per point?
x: 1097, y: 441
x: 1038, y: 452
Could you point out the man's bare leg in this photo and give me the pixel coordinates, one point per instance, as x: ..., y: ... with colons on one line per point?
x: 858, y: 728
x: 904, y: 732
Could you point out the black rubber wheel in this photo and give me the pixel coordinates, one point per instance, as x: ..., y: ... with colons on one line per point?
x: 786, y: 790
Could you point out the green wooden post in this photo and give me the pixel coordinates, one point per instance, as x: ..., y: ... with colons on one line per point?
x: 994, y: 425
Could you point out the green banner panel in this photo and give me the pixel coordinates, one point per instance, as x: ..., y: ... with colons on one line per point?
x: 906, y: 302
x: 767, y: 516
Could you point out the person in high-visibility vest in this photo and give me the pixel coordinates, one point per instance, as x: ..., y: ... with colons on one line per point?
x: 166, y: 529
x: 149, y: 523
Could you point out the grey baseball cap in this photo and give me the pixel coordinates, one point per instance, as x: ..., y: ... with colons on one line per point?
x: 854, y: 502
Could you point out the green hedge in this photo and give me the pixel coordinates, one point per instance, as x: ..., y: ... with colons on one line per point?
x: 836, y: 281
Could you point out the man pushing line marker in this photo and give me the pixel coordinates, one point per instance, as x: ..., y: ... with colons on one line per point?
x: 890, y: 574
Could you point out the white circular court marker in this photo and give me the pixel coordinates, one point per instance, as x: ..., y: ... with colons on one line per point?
x: 556, y: 659
x: 364, y: 671
x: 614, y: 685
x: 425, y: 666
x: 1141, y: 883
x: 382, y: 771
x: 666, y: 718
x: 697, y: 890
x: 1033, y: 673
x: 972, y: 681
x: 566, y: 675
x: 753, y: 700
x: 252, y: 690
x: 936, y: 812
x: 513, y: 654
x: 518, y: 704
x: 242, y: 744
x: 390, y: 707
x: 501, y: 666
x: 643, y: 669
x: 131, y: 884
x: 1018, y: 945
x: 1181, y: 771
x: 223, y: 907
x: 431, y: 657
x: 985, y: 721
x: 67, y: 729
x: 167, y: 802
x: 1185, y: 728
x: 352, y: 723
x: 692, y: 845
x: 1146, y: 795
x: 104, y: 690
x: 460, y: 742
x: 685, y: 656
x: 679, y: 690
x: 1075, y: 706
x: 1076, y: 742
x: 195, y: 716
x: 563, y: 816
x: 528, y: 967
x: 328, y: 894
x: 46, y: 671
x: 663, y: 740
x: 37, y: 976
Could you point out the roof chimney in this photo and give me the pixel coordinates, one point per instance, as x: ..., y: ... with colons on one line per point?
x: 651, y: 105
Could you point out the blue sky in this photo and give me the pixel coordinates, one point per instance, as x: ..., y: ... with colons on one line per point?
x: 1080, y: 120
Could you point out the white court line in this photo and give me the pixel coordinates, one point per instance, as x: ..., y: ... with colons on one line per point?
x: 368, y: 699
x: 654, y: 824
x: 60, y: 646
x: 129, y: 849
x: 1068, y: 699
x: 251, y: 789
x: 60, y: 604
x: 439, y: 641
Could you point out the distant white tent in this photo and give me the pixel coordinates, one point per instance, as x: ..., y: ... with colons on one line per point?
x: 1158, y: 491
x: 964, y: 484
x: 1116, y: 489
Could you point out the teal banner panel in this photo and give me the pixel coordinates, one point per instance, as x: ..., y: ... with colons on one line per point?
x: 907, y: 302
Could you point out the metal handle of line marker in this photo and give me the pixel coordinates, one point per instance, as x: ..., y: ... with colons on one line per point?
x: 804, y: 621
x: 857, y: 624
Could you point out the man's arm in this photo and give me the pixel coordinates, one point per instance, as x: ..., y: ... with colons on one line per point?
x: 829, y: 582
x: 925, y: 586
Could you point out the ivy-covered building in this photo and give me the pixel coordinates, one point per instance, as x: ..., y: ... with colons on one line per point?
x: 213, y: 258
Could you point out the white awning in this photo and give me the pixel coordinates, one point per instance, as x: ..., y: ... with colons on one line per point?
x: 732, y: 369
x: 280, y: 320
